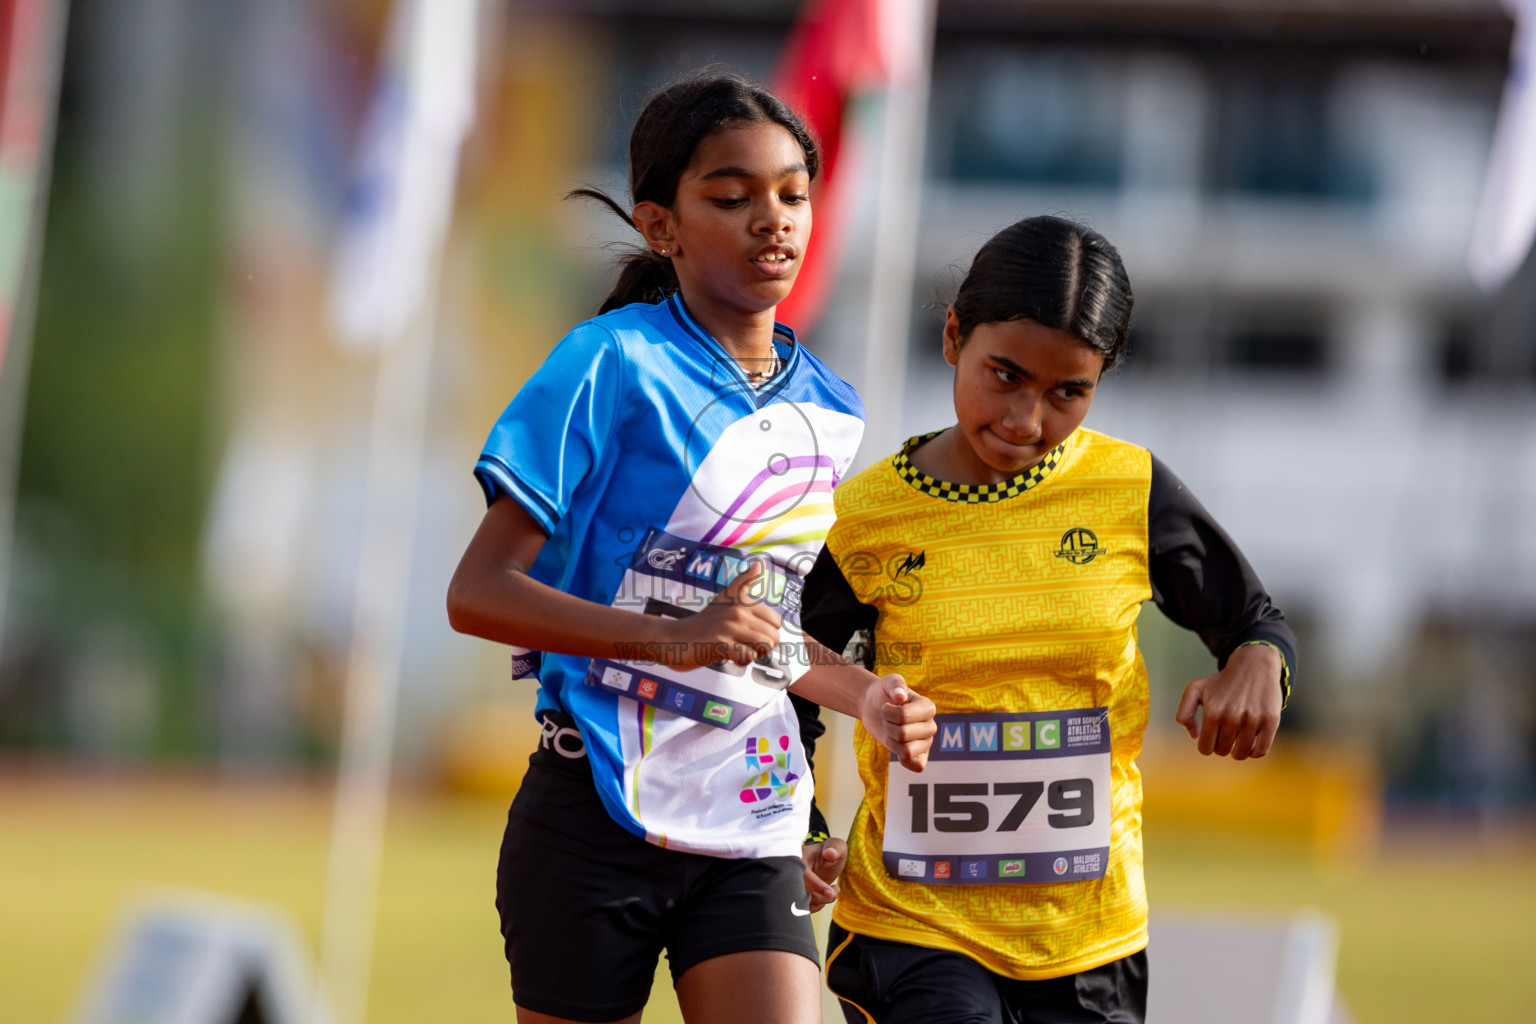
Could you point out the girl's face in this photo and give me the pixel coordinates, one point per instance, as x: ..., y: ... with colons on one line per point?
x: 1020, y: 390
x: 737, y: 232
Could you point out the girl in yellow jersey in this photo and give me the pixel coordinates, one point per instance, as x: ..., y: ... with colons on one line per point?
x: 1000, y: 565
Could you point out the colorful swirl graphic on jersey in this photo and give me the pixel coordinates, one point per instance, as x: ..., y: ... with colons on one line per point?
x: 787, y: 502
x: 770, y: 771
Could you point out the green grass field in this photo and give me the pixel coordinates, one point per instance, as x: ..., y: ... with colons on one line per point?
x: 1436, y: 927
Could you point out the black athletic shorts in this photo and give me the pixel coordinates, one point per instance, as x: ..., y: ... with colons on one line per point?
x: 880, y: 982
x: 586, y: 907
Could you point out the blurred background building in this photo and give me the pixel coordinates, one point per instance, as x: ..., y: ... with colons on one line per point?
x: 1292, y: 185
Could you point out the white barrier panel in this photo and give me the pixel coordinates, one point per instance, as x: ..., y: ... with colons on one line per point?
x: 191, y: 958
x: 1213, y: 969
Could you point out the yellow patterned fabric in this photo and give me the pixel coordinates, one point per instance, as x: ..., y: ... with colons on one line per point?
x: 1026, y: 601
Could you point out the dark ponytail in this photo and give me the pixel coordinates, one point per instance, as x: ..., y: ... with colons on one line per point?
x: 662, y: 145
x: 1056, y: 273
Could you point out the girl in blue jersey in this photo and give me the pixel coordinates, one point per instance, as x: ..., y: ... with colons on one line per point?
x: 657, y: 491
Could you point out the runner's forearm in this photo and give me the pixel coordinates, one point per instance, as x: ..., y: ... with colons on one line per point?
x: 832, y: 681
x: 510, y: 607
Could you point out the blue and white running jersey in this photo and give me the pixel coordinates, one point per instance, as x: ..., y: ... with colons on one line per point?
x: 657, y: 471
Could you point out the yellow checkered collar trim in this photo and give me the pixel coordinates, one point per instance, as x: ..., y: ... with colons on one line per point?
x: 974, y: 494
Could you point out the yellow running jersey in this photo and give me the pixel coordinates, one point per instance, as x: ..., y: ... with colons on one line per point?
x: 1021, y: 597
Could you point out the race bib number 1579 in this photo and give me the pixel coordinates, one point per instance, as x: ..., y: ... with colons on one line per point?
x: 1020, y: 797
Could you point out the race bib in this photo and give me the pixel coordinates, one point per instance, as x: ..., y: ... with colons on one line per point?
x: 1005, y: 798
x: 674, y: 577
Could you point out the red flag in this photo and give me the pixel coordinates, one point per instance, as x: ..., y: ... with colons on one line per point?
x: 30, y: 48
x: 837, y: 50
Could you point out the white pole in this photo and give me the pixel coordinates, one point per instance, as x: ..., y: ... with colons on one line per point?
x: 386, y: 296
x: 899, y: 177
x: 1505, y: 224
x: 373, y: 667
x: 16, y: 370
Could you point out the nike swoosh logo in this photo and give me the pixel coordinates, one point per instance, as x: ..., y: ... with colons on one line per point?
x: 797, y: 911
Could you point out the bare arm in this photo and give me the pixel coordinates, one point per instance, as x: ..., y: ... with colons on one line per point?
x: 492, y: 596
x: 894, y: 714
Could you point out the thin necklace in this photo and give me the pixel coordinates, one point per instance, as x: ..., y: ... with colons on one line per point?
x: 762, y: 376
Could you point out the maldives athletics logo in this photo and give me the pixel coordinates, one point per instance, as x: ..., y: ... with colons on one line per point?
x: 770, y: 770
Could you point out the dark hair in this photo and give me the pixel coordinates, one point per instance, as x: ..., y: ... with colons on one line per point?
x: 1056, y: 273
x: 661, y: 146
